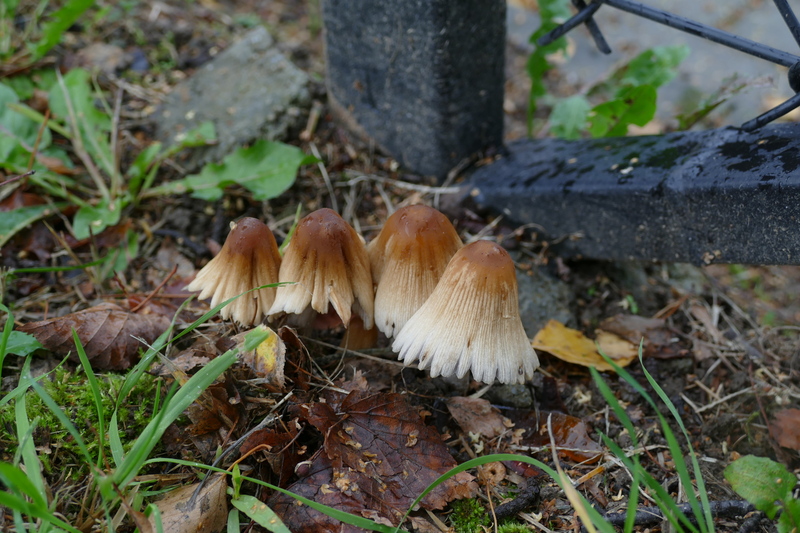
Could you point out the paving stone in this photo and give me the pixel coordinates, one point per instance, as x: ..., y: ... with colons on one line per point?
x: 249, y: 91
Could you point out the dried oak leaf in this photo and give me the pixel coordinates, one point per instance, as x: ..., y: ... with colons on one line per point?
x: 106, y: 331
x: 382, y: 456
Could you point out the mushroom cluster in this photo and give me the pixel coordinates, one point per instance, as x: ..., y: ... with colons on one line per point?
x: 452, y: 308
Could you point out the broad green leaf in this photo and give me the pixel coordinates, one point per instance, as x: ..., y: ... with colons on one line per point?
x: 569, y: 117
x: 790, y: 518
x: 60, y: 21
x: 637, y: 105
x: 21, y: 344
x: 13, y: 221
x: 18, y: 133
x: 91, y: 220
x: 258, y: 511
x: 761, y: 481
x: 266, y: 169
x: 655, y: 66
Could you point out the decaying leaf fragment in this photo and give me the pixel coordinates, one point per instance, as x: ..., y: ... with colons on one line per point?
x: 785, y: 428
x: 378, y: 456
x: 572, y: 346
x: 476, y: 415
x: 106, y: 331
x: 266, y: 360
x: 207, y: 513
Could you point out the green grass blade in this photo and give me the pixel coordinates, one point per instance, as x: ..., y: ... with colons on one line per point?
x: 27, y: 449
x: 21, y: 506
x: 97, y: 396
x: 633, y: 498
x: 18, y: 482
x: 115, y: 442
x: 6, y: 334
x: 707, y: 524
x: 152, y: 433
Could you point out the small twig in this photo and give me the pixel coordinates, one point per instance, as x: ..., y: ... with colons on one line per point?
x: 349, y: 351
x: 325, y: 176
x: 313, y: 119
x: 153, y: 293
x: 39, y: 134
x: 724, y: 399
x: 12, y: 179
x: 425, y: 189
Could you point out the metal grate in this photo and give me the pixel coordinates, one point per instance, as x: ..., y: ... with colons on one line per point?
x: 586, y: 13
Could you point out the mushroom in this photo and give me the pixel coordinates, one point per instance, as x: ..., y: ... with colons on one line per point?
x: 329, y: 263
x: 248, y: 259
x: 407, y: 260
x: 471, y: 321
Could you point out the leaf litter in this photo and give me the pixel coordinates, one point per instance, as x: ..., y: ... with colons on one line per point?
x: 698, y: 343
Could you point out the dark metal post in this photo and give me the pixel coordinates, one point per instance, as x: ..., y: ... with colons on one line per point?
x: 422, y: 78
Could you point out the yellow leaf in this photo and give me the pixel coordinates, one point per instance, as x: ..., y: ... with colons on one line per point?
x: 572, y: 346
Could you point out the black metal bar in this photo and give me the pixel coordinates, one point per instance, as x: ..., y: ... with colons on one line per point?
x: 776, y: 112
x: 582, y: 16
x: 707, y: 32
x: 594, y: 30
x: 790, y: 18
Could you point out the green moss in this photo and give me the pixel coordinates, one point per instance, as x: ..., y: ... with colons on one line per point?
x: 469, y: 516
x: 70, y: 390
x: 513, y: 527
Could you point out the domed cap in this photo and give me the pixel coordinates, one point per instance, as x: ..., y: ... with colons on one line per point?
x: 471, y: 321
x: 407, y: 260
x: 329, y: 263
x: 248, y: 259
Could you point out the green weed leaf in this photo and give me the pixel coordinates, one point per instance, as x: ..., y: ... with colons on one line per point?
x: 13, y: 221
x: 636, y: 105
x: 60, y: 21
x: 761, y: 481
x: 266, y: 169
x: 655, y: 66
x: 91, y: 220
x: 552, y: 13
x: 569, y: 117
x: 21, y: 344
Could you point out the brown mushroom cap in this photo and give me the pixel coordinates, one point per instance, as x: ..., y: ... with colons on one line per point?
x: 329, y: 263
x: 407, y: 258
x: 248, y: 259
x: 471, y: 321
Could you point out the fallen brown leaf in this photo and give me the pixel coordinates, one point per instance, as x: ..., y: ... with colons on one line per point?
x: 207, y: 513
x: 785, y: 428
x: 571, y: 434
x: 572, y: 346
x: 106, y: 332
x: 658, y: 339
x: 378, y: 456
x: 477, y: 416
